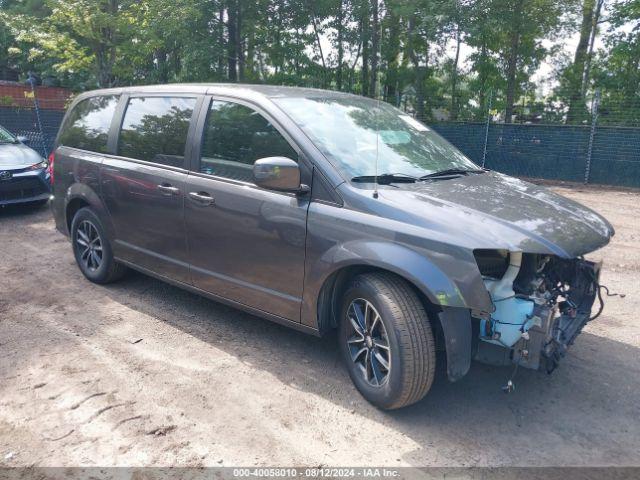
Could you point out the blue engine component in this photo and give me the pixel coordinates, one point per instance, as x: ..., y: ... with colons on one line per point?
x: 511, y: 318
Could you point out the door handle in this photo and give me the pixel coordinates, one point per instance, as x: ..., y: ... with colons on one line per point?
x: 203, y: 198
x: 168, y: 189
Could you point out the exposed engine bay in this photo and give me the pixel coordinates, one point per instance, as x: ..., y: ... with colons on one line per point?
x: 542, y: 302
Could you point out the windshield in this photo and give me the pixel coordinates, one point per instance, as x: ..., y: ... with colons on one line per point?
x: 350, y: 131
x: 6, y: 137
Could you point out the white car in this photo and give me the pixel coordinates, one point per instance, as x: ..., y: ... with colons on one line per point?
x: 24, y: 174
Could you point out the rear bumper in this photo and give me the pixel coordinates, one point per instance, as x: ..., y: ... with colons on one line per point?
x: 57, y: 210
x: 24, y: 187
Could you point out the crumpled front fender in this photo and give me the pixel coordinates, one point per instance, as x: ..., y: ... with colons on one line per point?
x: 337, y: 238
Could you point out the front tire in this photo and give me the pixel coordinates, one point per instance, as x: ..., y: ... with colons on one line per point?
x: 92, y: 249
x: 386, y: 340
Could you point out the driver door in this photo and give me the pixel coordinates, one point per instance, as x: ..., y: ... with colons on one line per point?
x: 246, y: 243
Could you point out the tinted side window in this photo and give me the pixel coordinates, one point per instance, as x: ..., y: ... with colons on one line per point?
x: 87, y: 126
x: 155, y: 129
x: 235, y: 137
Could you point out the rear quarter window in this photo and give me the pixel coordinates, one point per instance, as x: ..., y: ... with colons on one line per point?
x: 87, y: 126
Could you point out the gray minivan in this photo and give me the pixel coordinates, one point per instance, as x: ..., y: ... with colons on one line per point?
x: 322, y: 210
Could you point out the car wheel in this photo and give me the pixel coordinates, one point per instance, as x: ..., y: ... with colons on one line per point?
x: 386, y: 340
x: 92, y: 249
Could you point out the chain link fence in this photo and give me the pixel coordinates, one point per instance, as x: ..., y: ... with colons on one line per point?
x: 599, y: 144
x: 23, y: 122
x: 34, y: 113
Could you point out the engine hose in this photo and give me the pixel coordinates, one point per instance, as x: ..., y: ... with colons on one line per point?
x: 601, y: 300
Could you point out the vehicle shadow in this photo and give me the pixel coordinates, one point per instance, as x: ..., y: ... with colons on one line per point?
x: 585, y: 413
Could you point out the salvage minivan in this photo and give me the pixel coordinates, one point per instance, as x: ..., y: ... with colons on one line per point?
x: 322, y: 210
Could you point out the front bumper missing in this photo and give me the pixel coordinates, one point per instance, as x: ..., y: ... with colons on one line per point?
x: 573, y: 317
x: 556, y: 327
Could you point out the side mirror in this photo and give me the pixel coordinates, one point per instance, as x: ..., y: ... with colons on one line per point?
x: 23, y: 139
x: 278, y: 173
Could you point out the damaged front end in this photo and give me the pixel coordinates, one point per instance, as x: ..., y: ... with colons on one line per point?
x: 541, y: 302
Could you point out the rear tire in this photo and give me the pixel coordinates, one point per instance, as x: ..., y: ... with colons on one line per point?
x: 92, y: 249
x: 398, y: 366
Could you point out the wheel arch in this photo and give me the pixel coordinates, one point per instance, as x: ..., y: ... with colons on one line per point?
x: 438, y: 293
x: 452, y: 327
x: 341, y: 262
x: 79, y: 196
x: 336, y: 283
x: 72, y: 208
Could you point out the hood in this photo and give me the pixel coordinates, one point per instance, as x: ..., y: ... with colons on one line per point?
x: 14, y: 156
x: 492, y: 210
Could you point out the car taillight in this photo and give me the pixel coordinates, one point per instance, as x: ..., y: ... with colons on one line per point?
x: 52, y: 158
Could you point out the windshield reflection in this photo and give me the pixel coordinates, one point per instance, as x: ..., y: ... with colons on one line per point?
x: 6, y: 137
x: 351, y: 131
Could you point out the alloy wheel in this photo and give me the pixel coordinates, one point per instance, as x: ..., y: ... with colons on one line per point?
x: 368, y: 342
x: 89, y: 245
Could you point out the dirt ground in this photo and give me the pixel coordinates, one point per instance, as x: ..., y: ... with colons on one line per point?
x: 141, y: 373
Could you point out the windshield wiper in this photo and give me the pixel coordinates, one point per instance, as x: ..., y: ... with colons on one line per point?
x: 450, y: 172
x: 386, y: 178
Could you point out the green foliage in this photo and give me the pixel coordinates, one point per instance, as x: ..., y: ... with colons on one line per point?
x: 438, y: 59
x: 6, y: 101
x: 617, y: 68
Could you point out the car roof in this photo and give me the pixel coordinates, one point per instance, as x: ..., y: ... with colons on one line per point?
x: 234, y: 89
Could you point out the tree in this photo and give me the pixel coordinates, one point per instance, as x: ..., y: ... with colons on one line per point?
x: 459, y: 14
x: 390, y: 49
x: 410, y: 52
x: 423, y: 35
x: 508, y: 38
x: 577, y: 74
x: 81, y: 36
x: 15, y: 53
x: 488, y: 80
x: 525, y: 24
x: 617, y: 68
